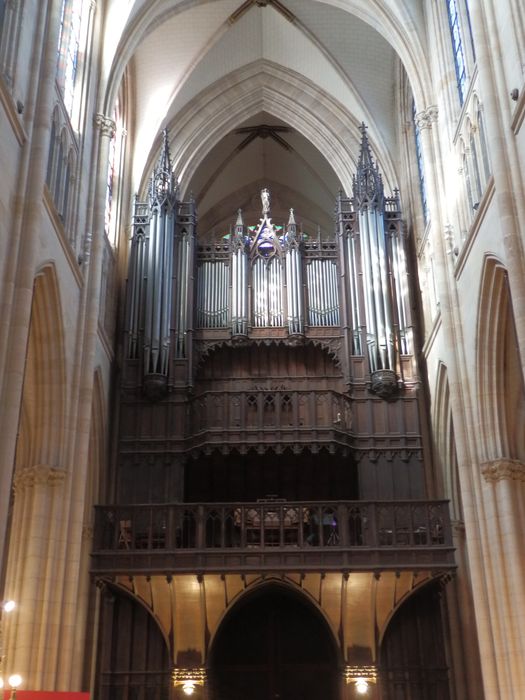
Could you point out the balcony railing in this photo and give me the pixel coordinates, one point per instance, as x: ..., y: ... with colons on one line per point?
x: 349, y: 535
x: 279, y: 409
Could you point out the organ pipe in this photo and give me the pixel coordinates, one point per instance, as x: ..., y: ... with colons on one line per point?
x: 376, y: 268
x: 351, y: 243
x: 159, y: 264
x: 136, y: 287
x: 323, y: 293
x: 185, y: 241
x: 239, y: 283
x: 294, y: 279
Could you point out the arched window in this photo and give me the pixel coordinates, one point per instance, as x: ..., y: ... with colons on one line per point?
x: 465, y: 166
x: 462, y: 43
x: 476, y: 184
x: 66, y: 196
x: 420, y: 167
x: 74, y: 22
x: 52, y: 153
x: 482, y: 139
x: 115, y: 163
x: 60, y: 169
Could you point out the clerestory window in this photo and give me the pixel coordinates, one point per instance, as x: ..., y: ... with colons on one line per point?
x: 115, y: 162
x: 72, y: 42
x: 420, y: 166
x: 462, y: 43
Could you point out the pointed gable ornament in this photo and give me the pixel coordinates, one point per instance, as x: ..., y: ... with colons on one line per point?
x: 163, y: 189
x: 368, y: 184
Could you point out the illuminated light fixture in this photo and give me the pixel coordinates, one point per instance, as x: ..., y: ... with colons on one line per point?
x: 361, y: 686
x: 14, y: 681
x: 187, y: 679
x: 188, y: 687
x: 363, y: 678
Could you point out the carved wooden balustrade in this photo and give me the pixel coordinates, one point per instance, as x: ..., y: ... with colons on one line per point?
x: 282, y: 416
x: 342, y: 535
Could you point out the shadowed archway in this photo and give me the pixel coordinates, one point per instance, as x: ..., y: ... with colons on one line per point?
x: 274, y: 644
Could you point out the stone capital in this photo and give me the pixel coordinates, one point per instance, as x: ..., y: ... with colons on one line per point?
x: 38, y: 475
x: 106, y: 125
x: 427, y: 117
x: 503, y: 468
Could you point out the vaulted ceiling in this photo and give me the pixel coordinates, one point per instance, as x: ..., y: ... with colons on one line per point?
x: 264, y: 93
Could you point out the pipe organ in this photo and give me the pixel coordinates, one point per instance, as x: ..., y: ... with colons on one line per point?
x: 269, y: 276
x: 159, y: 295
x: 258, y: 435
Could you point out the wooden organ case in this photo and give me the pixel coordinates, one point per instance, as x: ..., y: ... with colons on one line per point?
x: 271, y: 412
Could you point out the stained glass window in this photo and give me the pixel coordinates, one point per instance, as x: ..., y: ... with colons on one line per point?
x: 71, y: 45
x: 457, y: 47
x: 420, y: 168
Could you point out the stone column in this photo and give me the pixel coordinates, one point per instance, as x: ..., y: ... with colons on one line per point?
x: 504, y: 496
x: 461, y: 410
x: 34, y: 543
x: 503, y: 155
x: 70, y: 668
x: 17, y: 287
x: 464, y: 652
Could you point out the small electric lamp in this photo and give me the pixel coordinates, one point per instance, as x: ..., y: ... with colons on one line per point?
x: 361, y: 686
x: 188, y: 687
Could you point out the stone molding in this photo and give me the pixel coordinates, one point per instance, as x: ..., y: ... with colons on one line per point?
x: 38, y: 475
x: 427, y: 117
x: 106, y: 125
x: 458, y: 527
x: 500, y: 469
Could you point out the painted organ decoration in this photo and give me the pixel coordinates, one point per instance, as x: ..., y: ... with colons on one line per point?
x: 270, y: 278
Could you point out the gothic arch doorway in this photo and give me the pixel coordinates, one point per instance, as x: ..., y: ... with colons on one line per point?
x: 274, y: 645
x: 413, y: 660
x: 134, y: 661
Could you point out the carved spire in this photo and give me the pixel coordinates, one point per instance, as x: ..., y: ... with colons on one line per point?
x: 368, y: 184
x: 238, y: 239
x: 163, y: 185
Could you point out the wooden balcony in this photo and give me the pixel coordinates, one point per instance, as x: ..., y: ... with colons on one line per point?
x: 272, y: 535
x: 254, y: 417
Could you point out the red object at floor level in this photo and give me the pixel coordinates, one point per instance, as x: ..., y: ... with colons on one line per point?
x: 44, y: 695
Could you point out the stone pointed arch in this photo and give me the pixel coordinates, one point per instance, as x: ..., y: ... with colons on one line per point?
x: 499, y: 377
x: 265, y: 86
x: 406, y: 666
x: 445, y: 456
x: 272, y: 610
x: 41, y: 437
x: 142, y: 664
x: 97, y: 448
x: 393, y: 19
x: 285, y: 583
